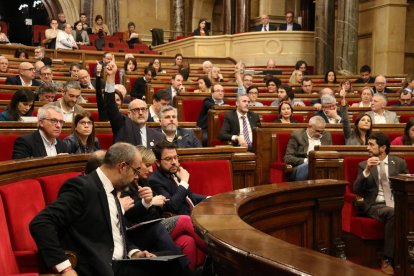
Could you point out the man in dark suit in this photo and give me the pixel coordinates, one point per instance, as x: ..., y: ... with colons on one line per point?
x: 44, y: 141
x: 366, y: 77
x: 161, y: 98
x: 290, y: 25
x: 172, y: 181
x: 373, y: 185
x: 265, y: 26
x: 26, y: 76
x: 181, y: 137
x: 405, y: 99
x: 85, y: 79
x: 301, y: 142
x: 131, y: 128
x: 140, y: 84
x: 329, y: 111
x: 380, y: 85
x: 86, y: 218
x: 216, y: 98
x: 236, y: 129
x: 176, y: 85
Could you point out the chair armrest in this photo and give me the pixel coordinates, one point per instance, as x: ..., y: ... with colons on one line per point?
x: 354, y: 199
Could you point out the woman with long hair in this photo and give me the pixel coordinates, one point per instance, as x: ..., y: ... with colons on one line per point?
x: 362, y: 127
x: 330, y: 77
x: 302, y: 66
x: 407, y: 139
x: 99, y: 26
x: 156, y: 63
x: 130, y: 65
x: 79, y: 34
x: 180, y: 227
x: 285, y: 114
x: 296, y: 78
x: 201, y: 29
x: 82, y: 139
x: 204, y: 85
x: 21, y: 104
x: 273, y: 84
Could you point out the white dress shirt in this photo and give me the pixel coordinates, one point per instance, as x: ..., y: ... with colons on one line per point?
x: 50, y: 147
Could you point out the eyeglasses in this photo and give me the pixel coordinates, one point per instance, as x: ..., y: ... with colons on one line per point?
x: 55, y: 121
x: 169, y: 159
x: 139, y: 109
x: 135, y: 170
x: 85, y: 123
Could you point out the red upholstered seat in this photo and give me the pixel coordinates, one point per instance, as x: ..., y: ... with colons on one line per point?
x: 338, y: 138
x: 7, y: 144
x: 269, y: 118
x: 216, y: 141
x: 363, y: 227
x: 105, y: 140
x: 405, y: 117
x: 6, y: 95
x: 52, y: 183
x: 276, y: 168
x: 209, y: 177
x: 23, y: 200
x: 191, y: 109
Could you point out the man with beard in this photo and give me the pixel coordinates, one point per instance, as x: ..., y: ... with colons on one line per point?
x: 182, y: 138
x: 68, y: 103
x: 238, y: 124
x: 172, y: 181
x: 86, y: 218
x: 373, y: 185
x: 131, y: 128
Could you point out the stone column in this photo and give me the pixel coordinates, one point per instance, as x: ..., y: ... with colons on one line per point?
x: 112, y: 15
x: 178, y: 17
x: 346, y: 42
x: 242, y: 16
x: 228, y: 15
x: 324, y: 35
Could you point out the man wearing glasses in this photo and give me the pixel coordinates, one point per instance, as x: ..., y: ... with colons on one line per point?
x: 329, y: 111
x: 44, y: 141
x: 131, y: 128
x: 26, y: 76
x: 405, y: 99
x: 301, y: 142
x: 172, y: 181
x: 290, y: 25
x: 380, y: 85
x: 69, y: 102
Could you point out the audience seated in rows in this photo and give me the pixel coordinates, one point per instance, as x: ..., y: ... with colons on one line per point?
x: 39, y: 54
x: 296, y: 77
x: 160, y: 99
x: 204, y: 85
x: 140, y: 84
x: 215, y: 75
x: 65, y: 39
x: 285, y: 94
x: 330, y: 77
x: 82, y: 139
x: 99, y: 26
x: 130, y: 65
x: 380, y: 85
x: 378, y: 112
x: 46, y: 93
x: 176, y: 85
x: 329, y: 111
x: 253, y: 93
x: 21, y: 104
x: 366, y: 77
x: 265, y: 26
x: 26, y: 76
x: 69, y: 101
x: 366, y: 97
x: 21, y: 53
x: 80, y: 35
x: 290, y: 25
x: 285, y: 114
x: 405, y: 98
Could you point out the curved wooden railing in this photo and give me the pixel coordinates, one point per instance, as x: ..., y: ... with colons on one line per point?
x: 272, y: 229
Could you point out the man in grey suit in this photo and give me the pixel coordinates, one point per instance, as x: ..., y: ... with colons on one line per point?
x: 301, y: 142
x: 236, y: 129
x: 378, y: 113
x: 181, y: 137
x: 373, y: 185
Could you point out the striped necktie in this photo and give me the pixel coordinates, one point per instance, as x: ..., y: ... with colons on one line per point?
x: 246, y: 131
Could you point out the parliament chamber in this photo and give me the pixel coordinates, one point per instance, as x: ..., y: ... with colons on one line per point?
x: 257, y: 221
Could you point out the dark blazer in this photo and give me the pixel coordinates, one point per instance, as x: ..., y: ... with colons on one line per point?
x: 322, y: 114
x: 231, y: 126
x: 31, y: 145
x: 259, y: 28
x: 386, y: 90
x: 368, y: 187
x: 296, y: 27
x: 78, y: 220
x: 123, y: 128
x: 202, y: 117
x: 197, y: 32
x: 297, y: 148
x: 162, y: 184
x: 153, y: 137
x: 138, y: 89
x: 185, y: 138
x: 360, y: 80
x: 15, y: 80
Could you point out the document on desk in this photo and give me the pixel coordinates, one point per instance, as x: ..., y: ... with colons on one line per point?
x: 155, y: 259
x: 143, y: 223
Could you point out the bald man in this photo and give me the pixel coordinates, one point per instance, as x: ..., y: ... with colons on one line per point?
x: 265, y: 26
x: 26, y: 76
x: 380, y: 85
x: 131, y: 128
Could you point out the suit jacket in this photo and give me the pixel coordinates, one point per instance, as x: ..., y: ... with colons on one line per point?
x: 368, y: 187
x: 78, y: 220
x: 386, y: 90
x: 322, y: 114
x: 138, y: 89
x: 185, y: 138
x: 231, y: 125
x: 202, y: 117
x: 15, y: 80
x: 296, y: 27
x: 298, y: 144
x: 197, y: 32
x: 31, y: 145
x: 153, y: 137
x: 259, y: 28
x: 390, y: 117
x: 360, y: 80
x: 123, y: 128
x: 162, y: 184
